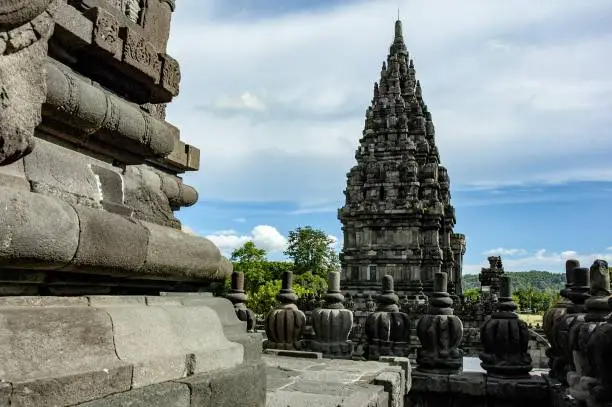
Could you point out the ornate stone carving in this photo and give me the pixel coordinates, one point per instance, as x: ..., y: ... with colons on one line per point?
x: 396, y: 185
x: 332, y: 324
x: 25, y: 28
x: 141, y: 54
x: 584, y: 378
x: 105, y: 34
x: 578, y: 292
x: 285, y: 324
x: 505, y: 339
x: 238, y: 297
x: 551, y: 317
x: 440, y: 332
x: 387, y: 330
x: 170, y: 75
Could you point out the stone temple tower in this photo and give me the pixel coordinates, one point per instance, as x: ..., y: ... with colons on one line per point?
x: 398, y: 218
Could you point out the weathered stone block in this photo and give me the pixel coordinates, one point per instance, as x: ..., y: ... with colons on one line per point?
x: 55, y: 170
x: 105, y: 33
x: 62, y: 355
x: 141, y: 54
x: 33, y: 238
x: 5, y: 394
x: 170, y: 74
x: 166, y: 342
x: 71, y: 389
x: 109, y: 243
x: 245, y: 385
x: 171, y: 252
x: 468, y: 383
x: 394, y: 385
x: 157, y: 395
x: 13, y: 176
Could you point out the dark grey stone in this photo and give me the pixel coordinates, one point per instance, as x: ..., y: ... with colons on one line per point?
x: 37, y: 239
x: 71, y: 389
x: 398, y: 195
x: 109, y: 243
x: 5, y: 394
x: 245, y: 385
x: 169, y: 394
x: 25, y: 30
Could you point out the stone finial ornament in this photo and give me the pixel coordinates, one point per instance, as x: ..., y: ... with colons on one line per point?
x: 332, y: 323
x: 238, y: 297
x: 505, y: 339
x: 578, y: 293
x: 285, y: 325
x: 440, y: 332
x: 556, y: 362
x: 387, y: 330
x: 584, y: 378
x: 25, y: 28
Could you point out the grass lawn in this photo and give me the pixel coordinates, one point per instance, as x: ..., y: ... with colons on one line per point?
x: 531, y: 318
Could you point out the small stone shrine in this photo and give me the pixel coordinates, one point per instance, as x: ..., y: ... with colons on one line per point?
x: 505, y: 339
x: 440, y: 332
x: 332, y: 323
x: 285, y: 325
x: 398, y: 218
x: 490, y: 278
x: 387, y: 330
x: 103, y: 299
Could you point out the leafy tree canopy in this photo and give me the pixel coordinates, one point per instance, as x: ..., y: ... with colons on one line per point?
x: 311, y: 251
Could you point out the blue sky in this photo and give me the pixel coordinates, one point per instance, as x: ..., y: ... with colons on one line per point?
x: 274, y: 94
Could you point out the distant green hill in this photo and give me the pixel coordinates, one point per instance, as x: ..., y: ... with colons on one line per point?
x: 539, y: 280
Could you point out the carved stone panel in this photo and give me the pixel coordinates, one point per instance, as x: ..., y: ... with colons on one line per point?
x: 140, y: 54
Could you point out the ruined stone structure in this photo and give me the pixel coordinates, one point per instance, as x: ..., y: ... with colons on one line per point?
x: 398, y: 218
x: 490, y: 278
x: 102, y: 296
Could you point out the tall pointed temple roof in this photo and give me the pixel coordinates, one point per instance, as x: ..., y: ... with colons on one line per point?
x: 398, y: 218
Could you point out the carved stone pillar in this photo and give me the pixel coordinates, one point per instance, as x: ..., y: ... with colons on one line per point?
x: 505, y: 339
x: 440, y: 332
x: 238, y: 297
x: 556, y: 362
x: 285, y: 325
x: 583, y: 379
x: 332, y: 324
x: 387, y: 330
x: 25, y: 28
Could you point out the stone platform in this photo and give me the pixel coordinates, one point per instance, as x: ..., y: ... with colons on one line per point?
x: 305, y: 382
x: 98, y: 351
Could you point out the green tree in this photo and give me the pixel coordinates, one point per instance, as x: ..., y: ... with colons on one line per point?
x: 472, y: 294
x: 311, y: 251
x: 252, y: 261
x: 263, y: 300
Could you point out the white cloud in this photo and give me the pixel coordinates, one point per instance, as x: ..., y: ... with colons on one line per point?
x: 609, y: 249
x: 246, y: 101
x: 239, y: 220
x: 264, y: 236
x: 543, y: 260
x: 282, y: 98
x: 500, y: 251
x: 225, y: 232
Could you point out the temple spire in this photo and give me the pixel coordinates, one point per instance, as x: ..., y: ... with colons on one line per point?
x: 398, y: 30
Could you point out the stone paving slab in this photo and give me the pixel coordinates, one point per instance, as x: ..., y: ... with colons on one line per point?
x: 305, y: 382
